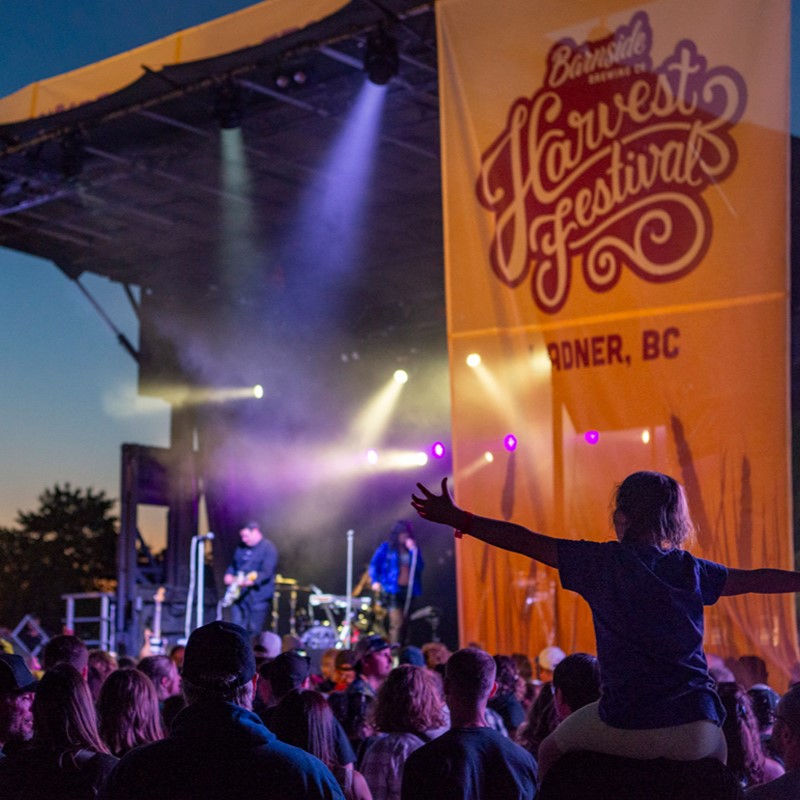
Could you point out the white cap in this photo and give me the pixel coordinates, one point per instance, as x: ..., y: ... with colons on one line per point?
x: 550, y: 658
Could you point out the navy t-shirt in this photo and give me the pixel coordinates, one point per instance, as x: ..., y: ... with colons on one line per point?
x: 647, y: 606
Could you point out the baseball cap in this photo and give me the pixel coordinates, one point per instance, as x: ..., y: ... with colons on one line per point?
x: 267, y: 645
x: 14, y: 675
x: 370, y: 644
x: 345, y: 659
x: 411, y: 655
x: 286, y: 672
x: 219, y: 657
x: 550, y: 657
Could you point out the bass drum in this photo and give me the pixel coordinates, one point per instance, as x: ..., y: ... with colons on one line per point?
x: 320, y: 636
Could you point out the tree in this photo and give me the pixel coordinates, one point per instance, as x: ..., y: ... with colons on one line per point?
x: 68, y: 545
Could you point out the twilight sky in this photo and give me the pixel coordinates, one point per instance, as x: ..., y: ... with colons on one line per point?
x: 69, y: 399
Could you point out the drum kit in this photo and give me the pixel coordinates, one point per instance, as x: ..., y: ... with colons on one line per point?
x: 322, y: 620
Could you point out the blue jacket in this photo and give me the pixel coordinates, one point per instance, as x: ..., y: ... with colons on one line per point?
x: 385, y: 569
x: 218, y: 751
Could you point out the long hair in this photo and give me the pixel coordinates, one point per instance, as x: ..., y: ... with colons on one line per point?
x: 745, y: 755
x: 408, y: 702
x: 655, y: 509
x: 400, y: 527
x: 305, y: 720
x: 128, y: 711
x: 63, y: 713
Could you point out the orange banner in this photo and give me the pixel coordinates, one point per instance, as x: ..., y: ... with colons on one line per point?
x: 616, y: 198
x: 250, y: 26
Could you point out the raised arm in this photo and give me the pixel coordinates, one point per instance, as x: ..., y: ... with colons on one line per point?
x: 761, y: 581
x: 440, y: 508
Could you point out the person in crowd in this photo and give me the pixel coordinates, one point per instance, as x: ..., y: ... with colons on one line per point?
x: 527, y: 687
x: 103, y: 662
x: 411, y: 655
x: 101, y: 665
x: 373, y: 663
x: 17, y: 686
x: 718, y: 669
x: 217, y: 747
x: 344, y: 672
x: 540, y: 721
x: 327, y: 667
x: 291, y: 642
x: 547, y: 660
x: 66, y: 649
x: 407, y: 714
x: 127, y: 711
x: 585, y: 775
x: 751, y: 670
x: 304, y: 719
x: 176, y: 654
x: 163, y: 673
x: 288, y: 672
x: 291, y: 672
x: 436, y: 655
x: 469, y: 760
x: 266, y: 646
x: 395, y: 570
x: 745, y: 755
x: 250, y: 579
x: 504, y: 701
x: 67, y: 759
x: 647, y: 595
x: 576, y: 683
x: 126, y: 662
x: 765, y: 700
x: 786, y: 739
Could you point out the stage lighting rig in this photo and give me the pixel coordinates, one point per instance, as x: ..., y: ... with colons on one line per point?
x: 381, y: 59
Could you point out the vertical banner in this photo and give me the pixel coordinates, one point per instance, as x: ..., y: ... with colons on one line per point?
x: 616, y: 200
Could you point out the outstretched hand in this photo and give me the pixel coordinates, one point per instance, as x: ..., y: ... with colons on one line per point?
x: 436, y: 507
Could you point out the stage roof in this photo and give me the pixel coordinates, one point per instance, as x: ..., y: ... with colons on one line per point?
x: 128, y: 186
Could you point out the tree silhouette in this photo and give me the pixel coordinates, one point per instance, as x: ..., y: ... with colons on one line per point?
x: 68, y: 545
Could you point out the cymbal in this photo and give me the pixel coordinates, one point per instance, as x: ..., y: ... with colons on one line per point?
x: 279, y: 579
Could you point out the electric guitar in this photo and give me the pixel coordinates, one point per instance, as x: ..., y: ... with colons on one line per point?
x: 234, y: 590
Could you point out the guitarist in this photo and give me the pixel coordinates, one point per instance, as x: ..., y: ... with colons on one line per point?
x: 252, y: 570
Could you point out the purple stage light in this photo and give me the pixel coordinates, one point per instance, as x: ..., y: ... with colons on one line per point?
x: 510, y: 442
x: 438, y: 450
x: 591, y: 437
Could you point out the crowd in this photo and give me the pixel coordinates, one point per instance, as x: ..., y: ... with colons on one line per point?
x: 228, y: 715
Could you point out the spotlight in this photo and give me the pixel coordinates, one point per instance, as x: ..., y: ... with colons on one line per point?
x: 401, y: 376
x: 438, y: 450
x: 488, y: 457
x: 258, y: 391
x: 229, y: 106
x: 381, y: 59
x: 645, y: 436
x: 473, y: 360
x: 289, y: 76
x: 372, y: 456
x: 422, y: 459
x: 591, y: 437
x: 510, y: 442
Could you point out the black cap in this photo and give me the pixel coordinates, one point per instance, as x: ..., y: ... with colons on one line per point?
x: 219, y: 657
x: 15, y: 675
x: 286, y: 672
